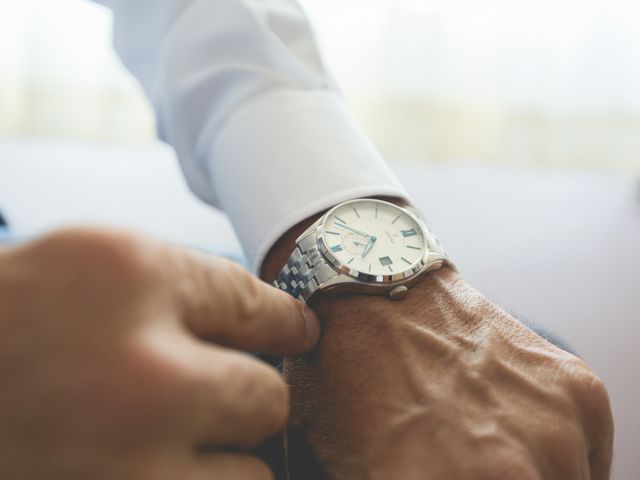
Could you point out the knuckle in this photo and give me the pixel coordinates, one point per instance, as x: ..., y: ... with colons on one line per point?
x: 276, y: 398
x: 597, y: 389
x: 259, y: 470
x: 97, y: 252
x: 597, y: 405
x: 268, y: 389
x: 247, y: 301
x: 250, y: 305
x: 147, y: 383
x: 576, y: 375
x: 588, y: 389
x: 591, y: 401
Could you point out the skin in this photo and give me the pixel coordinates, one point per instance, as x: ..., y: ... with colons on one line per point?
x: 120, y: 358
x: 441, y: 385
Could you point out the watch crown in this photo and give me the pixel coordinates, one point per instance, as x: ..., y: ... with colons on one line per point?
x: 398, y: 293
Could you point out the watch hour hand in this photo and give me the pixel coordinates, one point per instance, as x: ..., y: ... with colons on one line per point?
x: 369, y: 246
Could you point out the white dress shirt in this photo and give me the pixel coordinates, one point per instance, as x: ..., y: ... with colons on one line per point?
x: 241, y: 92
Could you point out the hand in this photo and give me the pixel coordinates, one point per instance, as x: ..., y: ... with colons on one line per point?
x: 367, y: 249
x: 443, y: 385
x: 117, y: 361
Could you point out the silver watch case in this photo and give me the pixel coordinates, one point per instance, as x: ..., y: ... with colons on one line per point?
x: 334, y: 277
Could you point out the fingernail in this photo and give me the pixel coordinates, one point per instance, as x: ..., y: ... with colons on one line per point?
x: 313, y: 325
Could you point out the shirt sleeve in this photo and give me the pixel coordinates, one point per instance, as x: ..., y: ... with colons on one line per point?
x: 242, y: 94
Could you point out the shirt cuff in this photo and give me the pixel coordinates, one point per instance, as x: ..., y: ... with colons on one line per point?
x: 286, y: 155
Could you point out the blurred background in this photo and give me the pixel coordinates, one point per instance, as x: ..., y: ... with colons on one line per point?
x: 515, y: 126
x: 541, y: 83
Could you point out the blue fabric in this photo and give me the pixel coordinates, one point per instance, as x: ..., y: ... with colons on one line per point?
x: 5, y: 234
x: 547, y: 335
x: 7, y: 237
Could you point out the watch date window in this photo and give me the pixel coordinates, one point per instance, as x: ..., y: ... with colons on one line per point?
x: 385, y: 261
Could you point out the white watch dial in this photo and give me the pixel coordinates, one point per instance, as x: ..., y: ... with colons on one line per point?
x: 374, y: 237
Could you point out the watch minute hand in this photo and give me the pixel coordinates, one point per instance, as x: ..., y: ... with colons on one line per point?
x: 353, y: 230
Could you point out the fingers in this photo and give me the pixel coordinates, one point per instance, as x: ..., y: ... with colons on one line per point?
x: 230, y: 466
x: 217, y: 299
x: 239, y: 403
x: 187, y: 465
x: 224, y: 303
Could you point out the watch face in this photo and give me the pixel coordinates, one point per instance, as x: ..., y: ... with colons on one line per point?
x: 373, y: 238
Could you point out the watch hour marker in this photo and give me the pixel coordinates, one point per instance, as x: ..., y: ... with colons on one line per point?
x: 369, y: 268
x: 385, y: 261
x: 390, y: 269
x: 396, y: 219
x: 413, y: 248
x: 333, y: 233
x: 336, y: 248
x: 377, y: 208
x: 349, y: 262
x: 340, y: 220
x: 405, y: 260
x: 409, y: 233
x: 356, y: 212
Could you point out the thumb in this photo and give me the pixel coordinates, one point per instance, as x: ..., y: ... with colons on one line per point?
x: 221, y: 302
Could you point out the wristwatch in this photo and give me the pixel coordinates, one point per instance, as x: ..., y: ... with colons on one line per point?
x: 366, y: 246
